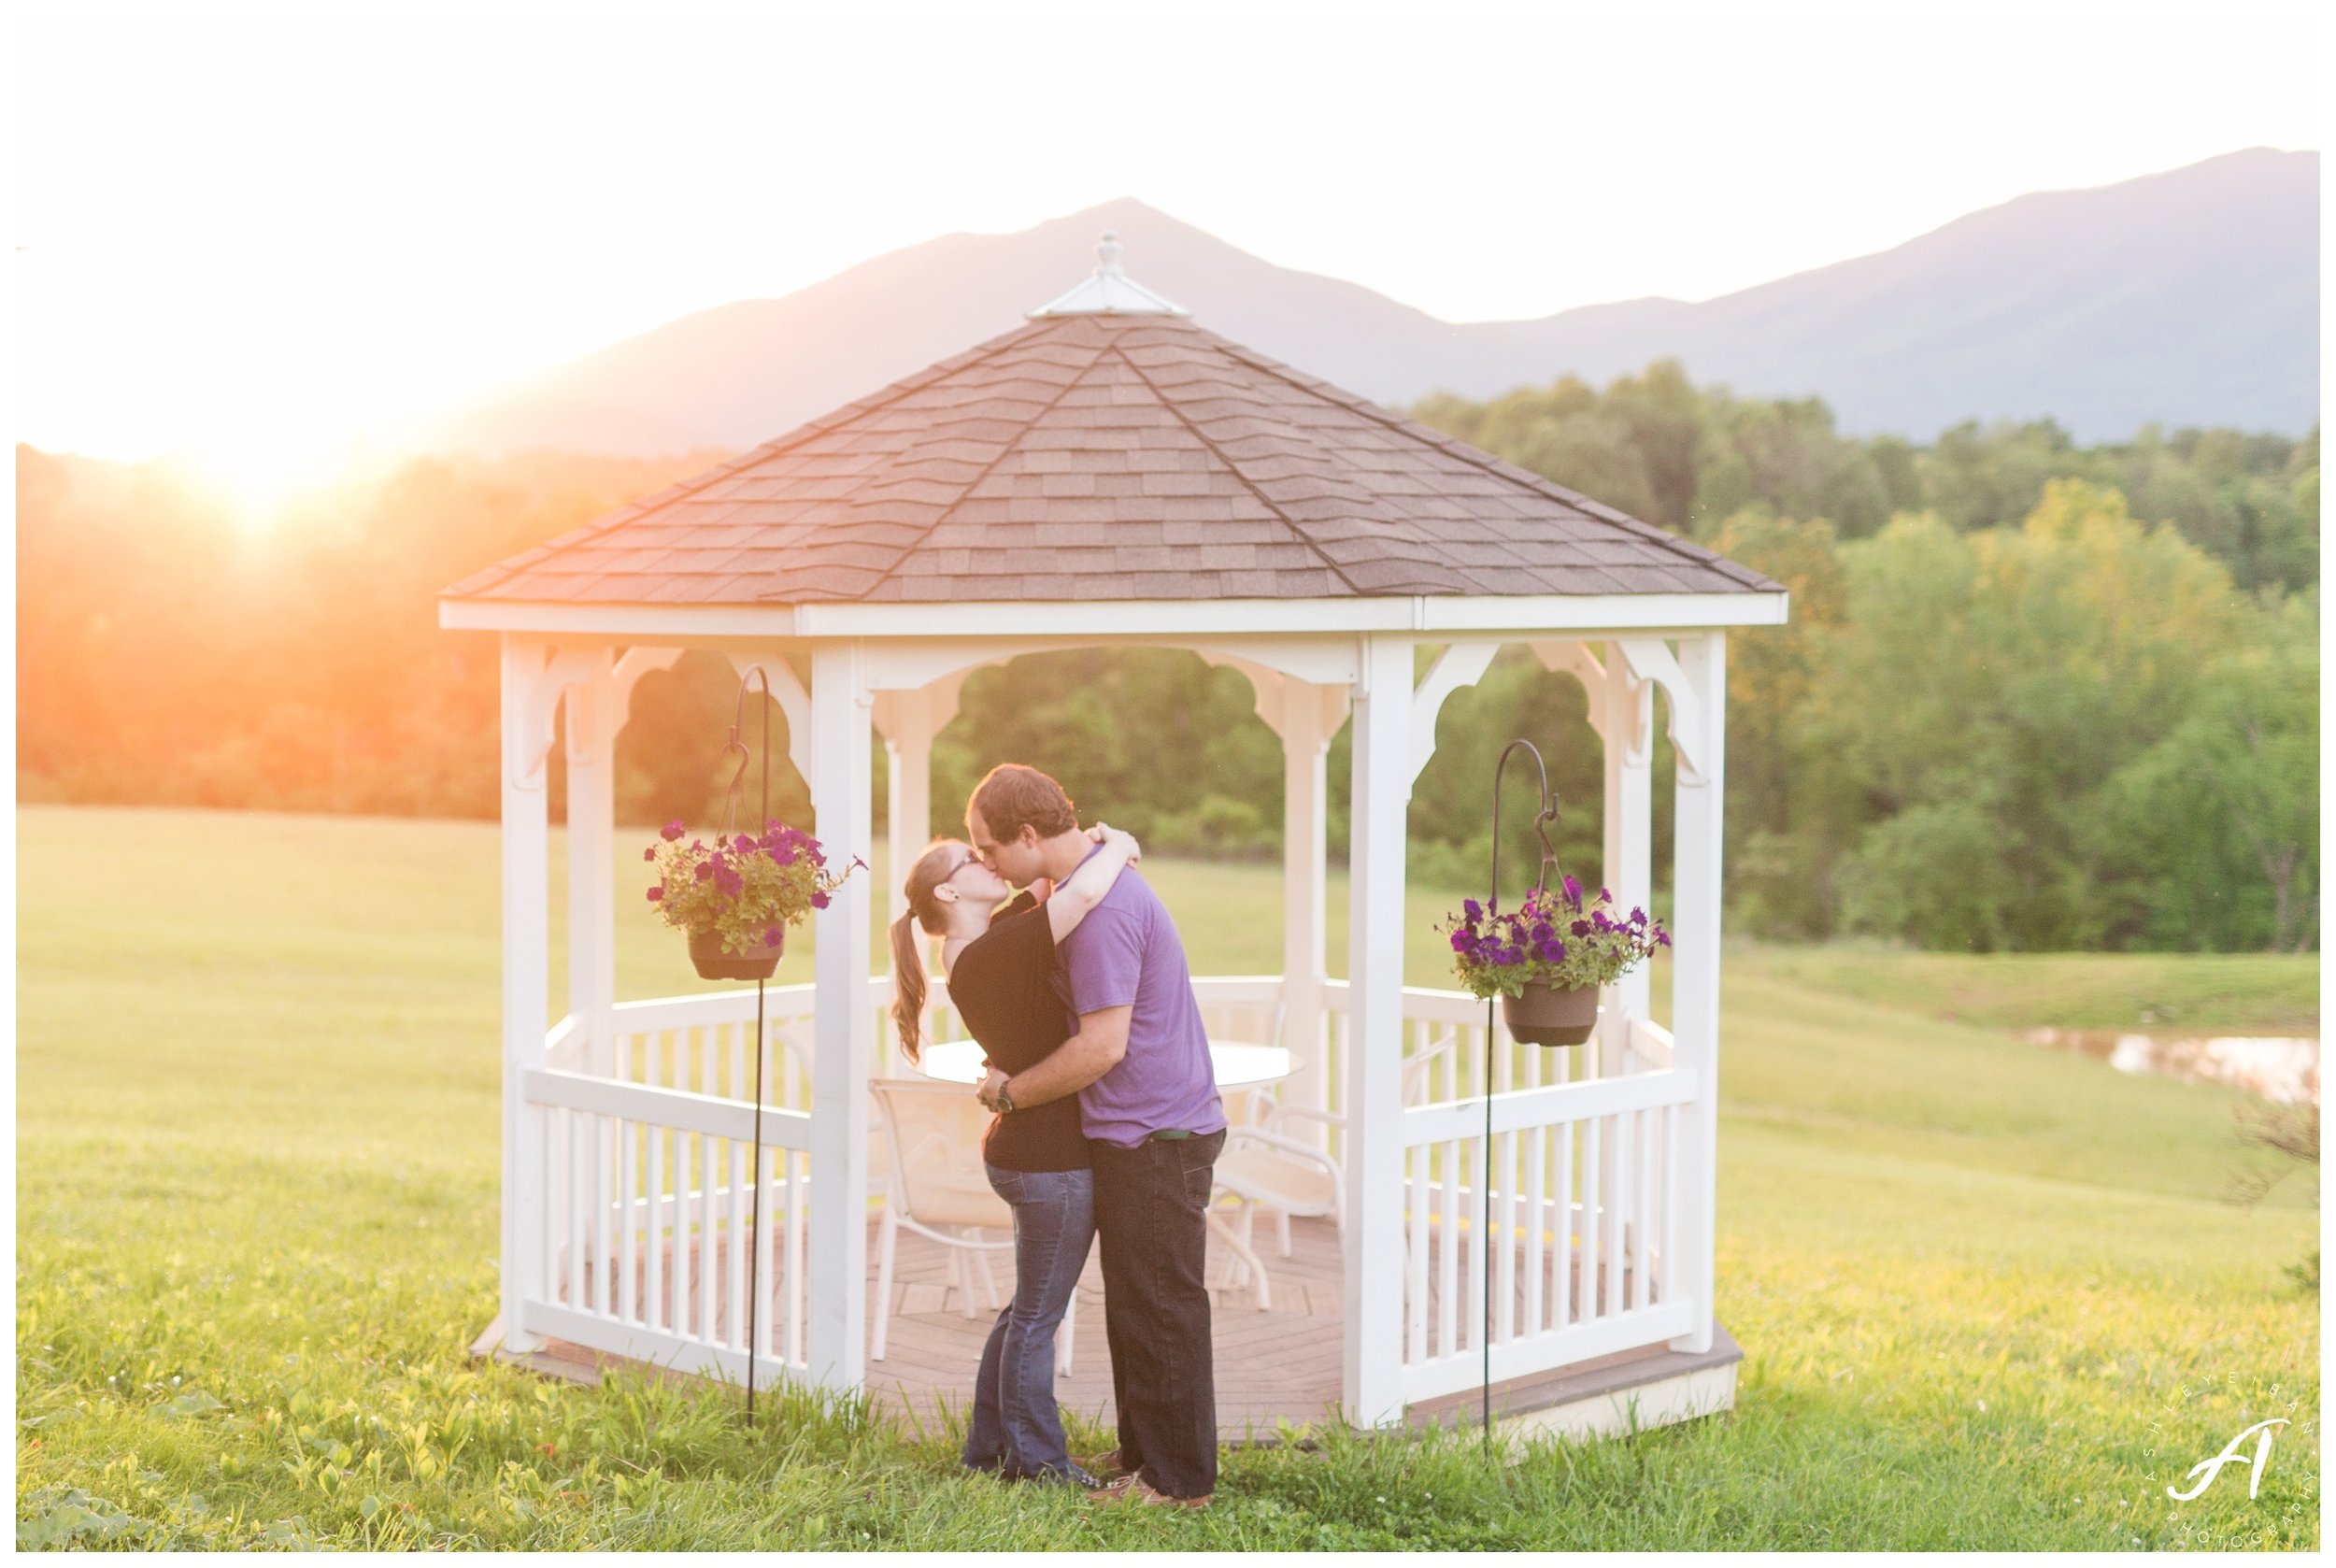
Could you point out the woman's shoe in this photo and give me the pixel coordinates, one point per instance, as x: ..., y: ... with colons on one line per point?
x: 1073, y: 1476
x: 1106, y: 1466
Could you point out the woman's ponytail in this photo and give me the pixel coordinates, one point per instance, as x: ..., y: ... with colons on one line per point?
x: 908, y: 985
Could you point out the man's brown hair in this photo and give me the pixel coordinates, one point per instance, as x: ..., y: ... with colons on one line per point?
x: 1013, y: 795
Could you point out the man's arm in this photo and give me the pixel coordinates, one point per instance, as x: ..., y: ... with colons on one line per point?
x: 1102, y: 1040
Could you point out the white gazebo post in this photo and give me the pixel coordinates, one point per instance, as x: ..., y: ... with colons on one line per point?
x: 1628, y: 703
x: 1383, y: 772
x: 1308, y: 716
x: 843, y: 1024
x: 532, y: 679
x: 1698, y: 706
x: 526, y: 981
x: 591, y: 736
x: 904, y: 720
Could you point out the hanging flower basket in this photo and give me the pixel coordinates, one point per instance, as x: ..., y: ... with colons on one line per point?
x: 736, y: 899
x: 1547, y: 960
x: 1545, y: 1015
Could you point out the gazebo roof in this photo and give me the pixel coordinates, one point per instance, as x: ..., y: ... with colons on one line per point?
x: 1109, y: 450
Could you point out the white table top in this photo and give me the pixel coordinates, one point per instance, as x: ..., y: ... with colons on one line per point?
x: 1239, y: 1064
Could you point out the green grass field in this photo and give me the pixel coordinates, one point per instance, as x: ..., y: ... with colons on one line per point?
x: 1989, y: 1294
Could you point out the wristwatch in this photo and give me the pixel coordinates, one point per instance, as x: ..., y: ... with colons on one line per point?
x: 1006, y: 1098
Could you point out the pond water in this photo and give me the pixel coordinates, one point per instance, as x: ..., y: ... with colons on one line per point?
x: 2284, y: 1068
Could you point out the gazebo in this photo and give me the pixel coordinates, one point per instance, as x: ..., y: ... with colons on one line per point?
x: 1113, y: 475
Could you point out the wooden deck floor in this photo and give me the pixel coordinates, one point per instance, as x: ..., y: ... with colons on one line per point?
x: 1272, y: 1366
x: 1275, y: 1365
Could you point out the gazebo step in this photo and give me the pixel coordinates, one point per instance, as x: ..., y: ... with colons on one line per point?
x: 1607, y: 1397
x: 572, y: 1364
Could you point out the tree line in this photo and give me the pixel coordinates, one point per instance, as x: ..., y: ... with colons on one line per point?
x: 2032, y: 695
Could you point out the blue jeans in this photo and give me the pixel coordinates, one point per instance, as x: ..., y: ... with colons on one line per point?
x: 1015, y: 1428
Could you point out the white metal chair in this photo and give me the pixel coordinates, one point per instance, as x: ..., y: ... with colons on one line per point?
x: 939, y: 1189
x: 1287, y: 1175
x: 1264, y: 1165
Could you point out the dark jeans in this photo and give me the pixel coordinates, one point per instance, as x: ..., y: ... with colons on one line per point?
x: 1015, y: 1428
x: 1150, y: 1205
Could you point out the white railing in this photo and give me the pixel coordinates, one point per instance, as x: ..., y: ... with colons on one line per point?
x: 640, y: 1235
x: 1583, y: 1196
x: 642, y: 1232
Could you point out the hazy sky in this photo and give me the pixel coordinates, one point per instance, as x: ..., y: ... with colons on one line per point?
x: 252, y: 237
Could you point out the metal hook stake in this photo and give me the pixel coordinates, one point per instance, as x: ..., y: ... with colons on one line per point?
x: 1547, y: 814
x: 762, y: 1042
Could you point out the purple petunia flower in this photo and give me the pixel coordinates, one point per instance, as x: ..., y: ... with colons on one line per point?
x: 1581, y: 928
x: 649, y: 853
x: 1638, y: 917
x: 672, y: 830
x: 656, y: 894
x: 818, y: 901
x: 1573, y: 891
x: 771, y: 937
x: 1663, y: 938
x: 704, y: 872
x: 1473, y: 910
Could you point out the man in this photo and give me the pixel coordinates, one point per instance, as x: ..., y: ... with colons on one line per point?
x: 1148, y: 1105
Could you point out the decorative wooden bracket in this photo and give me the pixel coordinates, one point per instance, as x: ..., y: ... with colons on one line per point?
x: 1576, y: 659
x: 941, y: 699
x: 793, y: 701
x: 540, y: 702
x: 1279, y: 690
x: 1651, y: 659
x: 1459, y: 665
x: 634, y: 664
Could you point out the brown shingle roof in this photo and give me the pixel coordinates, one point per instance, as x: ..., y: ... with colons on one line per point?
x: 1108, y: 457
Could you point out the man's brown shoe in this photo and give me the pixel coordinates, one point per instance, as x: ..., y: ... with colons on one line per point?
x: 1105, y: 1466
x: 1134, y: 1488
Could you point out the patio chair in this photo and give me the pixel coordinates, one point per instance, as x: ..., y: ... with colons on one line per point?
x: 1287, y: 1175
x: 933, y: 1132
x: 1263, y: 1163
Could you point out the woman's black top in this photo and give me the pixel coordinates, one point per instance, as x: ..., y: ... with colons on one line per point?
x: 1002, y: 987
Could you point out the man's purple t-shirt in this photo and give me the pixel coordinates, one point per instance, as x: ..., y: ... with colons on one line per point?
x: 1127, y: 953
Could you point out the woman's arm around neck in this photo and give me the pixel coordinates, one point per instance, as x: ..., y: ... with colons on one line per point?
x: 1085, y: 888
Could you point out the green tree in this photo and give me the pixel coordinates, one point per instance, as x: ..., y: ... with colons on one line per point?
x: 2003, y: 677
x: 2244, y: 870
x: 1784, y: 804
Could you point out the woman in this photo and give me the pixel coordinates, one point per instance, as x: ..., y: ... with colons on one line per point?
x: 1002, y: 982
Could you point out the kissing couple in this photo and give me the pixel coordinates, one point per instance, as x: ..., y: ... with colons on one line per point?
x: 1108, y: 1122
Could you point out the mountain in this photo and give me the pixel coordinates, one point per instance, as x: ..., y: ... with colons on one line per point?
x: 2190, y: 297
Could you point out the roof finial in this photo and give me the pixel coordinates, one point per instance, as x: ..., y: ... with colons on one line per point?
x: 1108, y: 290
